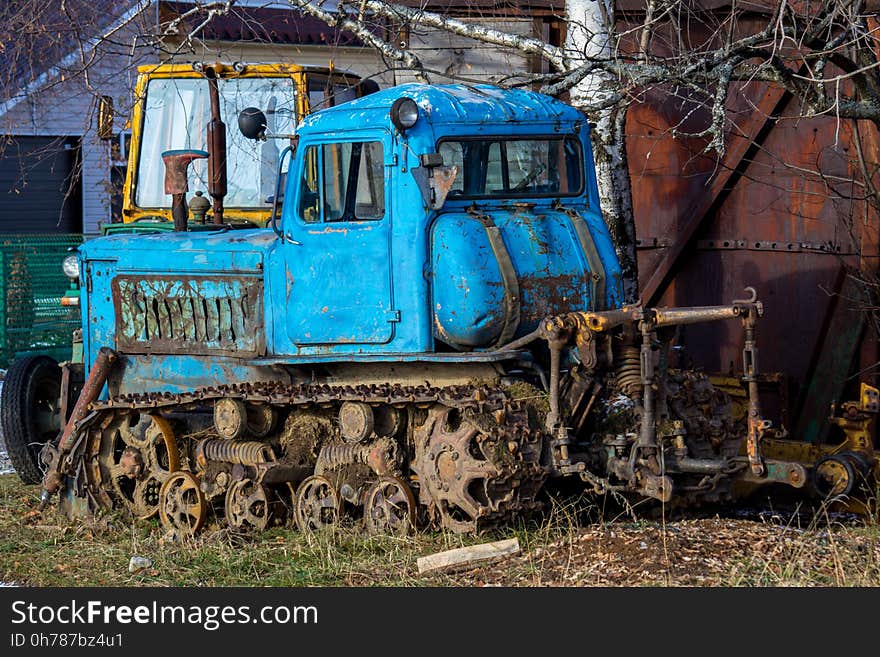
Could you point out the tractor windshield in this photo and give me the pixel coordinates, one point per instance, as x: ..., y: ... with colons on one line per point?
x: 502, y: 167
x: 176, y: 115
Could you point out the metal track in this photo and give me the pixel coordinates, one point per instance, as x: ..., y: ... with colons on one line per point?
x: 478, y: 397
x: 507, y: 480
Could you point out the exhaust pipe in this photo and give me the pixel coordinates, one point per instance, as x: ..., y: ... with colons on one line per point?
x: 216, y: 139
x: 176, y: 166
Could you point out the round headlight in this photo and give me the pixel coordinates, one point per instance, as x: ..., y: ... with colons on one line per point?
x: 70, y: 267
x: 404, y: 113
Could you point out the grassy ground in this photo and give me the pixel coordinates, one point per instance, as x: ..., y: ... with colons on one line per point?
x: 558, y: 550
x: 48, y: 550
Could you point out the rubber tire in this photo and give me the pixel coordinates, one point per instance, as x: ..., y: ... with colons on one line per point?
x: 17, y: 405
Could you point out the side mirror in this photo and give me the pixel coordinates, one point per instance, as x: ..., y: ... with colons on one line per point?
x: 105, y: 117
x: 367, y: 87
x: 252, y: 123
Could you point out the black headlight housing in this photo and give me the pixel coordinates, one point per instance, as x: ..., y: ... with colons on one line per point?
x: 404, y: 113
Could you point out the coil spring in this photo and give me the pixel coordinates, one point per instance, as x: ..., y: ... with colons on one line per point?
x: 379, y: 455
x: 332, y: 456
x: 248, y: 452
x: 629, y: 370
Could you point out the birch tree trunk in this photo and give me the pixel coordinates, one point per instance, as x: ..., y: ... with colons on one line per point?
x: 587, y: 38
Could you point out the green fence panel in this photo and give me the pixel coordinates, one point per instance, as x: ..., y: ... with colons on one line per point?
x: 32, y: 319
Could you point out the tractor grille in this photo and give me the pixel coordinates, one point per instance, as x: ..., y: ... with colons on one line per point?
x: 192, y: 315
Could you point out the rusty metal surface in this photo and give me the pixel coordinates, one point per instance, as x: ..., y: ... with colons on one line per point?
x: 469, y: 477
x: 176, y: 166
x: 317, y: 504
x: 242, y: 452
x: 56, y: 457
x: 497, y: 425
x: 844, y: 473
x: 793, y: 283
x: 72, y: 379
x: 697, y: 213
x: 382, y: 456
x: 390, y: 507
x: 230, y: 418
x: 251, y: 505
x: 216, y: 139
x: 707, y: 227
x: 356, y: 421
x: 836, y: 351
x: 475, y: 451
x: 182, y: 505
x: 131, y: 457
x: 193, y: 315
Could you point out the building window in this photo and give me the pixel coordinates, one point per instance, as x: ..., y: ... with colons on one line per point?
x: 118, y: 168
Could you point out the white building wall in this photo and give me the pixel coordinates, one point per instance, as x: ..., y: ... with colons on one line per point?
x: 448, y: 57
x: 362, y: 61
x: 67, y: 107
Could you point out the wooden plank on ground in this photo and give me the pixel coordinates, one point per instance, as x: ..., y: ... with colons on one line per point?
x: 468, y: 555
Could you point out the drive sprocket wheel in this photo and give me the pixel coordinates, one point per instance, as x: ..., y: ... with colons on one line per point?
x: 317, y: 504
x: 390, y: 507
x: 478, y: 469
x: 182, y: 505
x: 135, y: 455
x: 250, y: 505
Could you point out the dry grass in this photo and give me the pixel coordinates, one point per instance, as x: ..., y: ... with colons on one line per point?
x: 48, y: 550
x: 574, y: 544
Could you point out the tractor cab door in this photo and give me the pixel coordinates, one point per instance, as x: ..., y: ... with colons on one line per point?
x: 337, y: 243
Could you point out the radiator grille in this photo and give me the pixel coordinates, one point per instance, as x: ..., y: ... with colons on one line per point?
x: 192, y: 315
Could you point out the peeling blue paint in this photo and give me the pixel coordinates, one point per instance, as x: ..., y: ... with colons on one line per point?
x: 354, y: 290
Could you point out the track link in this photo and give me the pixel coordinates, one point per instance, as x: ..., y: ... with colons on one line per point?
x: 474, y: 457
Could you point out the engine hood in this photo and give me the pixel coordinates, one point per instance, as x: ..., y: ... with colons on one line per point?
x: 192, y: 293
x: 226, y: 250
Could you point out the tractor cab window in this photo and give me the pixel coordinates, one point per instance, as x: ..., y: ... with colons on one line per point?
x: 343, y: 182
x: 176, y: 115
x: 511, y: 167
x: 326, y: 92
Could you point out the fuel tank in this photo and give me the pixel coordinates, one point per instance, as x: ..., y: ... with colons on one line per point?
x: 496, y: 274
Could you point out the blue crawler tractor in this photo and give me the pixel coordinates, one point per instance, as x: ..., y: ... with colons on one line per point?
x: 431, y: 329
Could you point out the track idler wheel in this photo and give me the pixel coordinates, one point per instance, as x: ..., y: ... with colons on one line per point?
x: 317, y: 504
x: 250, y: 505
x: 136, y: 454
x: 182, y: 505
x: 389, y: 507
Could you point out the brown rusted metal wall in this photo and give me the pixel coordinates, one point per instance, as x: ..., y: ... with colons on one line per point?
x: 708, y: 228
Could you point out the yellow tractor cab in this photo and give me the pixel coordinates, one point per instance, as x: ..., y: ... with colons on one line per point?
x: 176, y: 123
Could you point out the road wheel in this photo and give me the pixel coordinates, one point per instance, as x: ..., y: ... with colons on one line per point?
x: 29, y: 412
